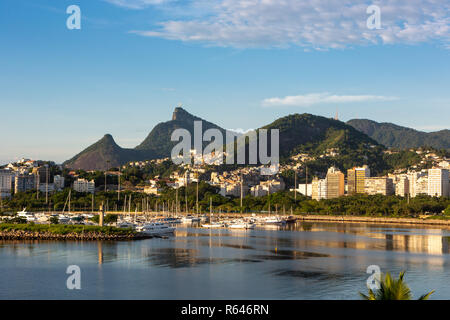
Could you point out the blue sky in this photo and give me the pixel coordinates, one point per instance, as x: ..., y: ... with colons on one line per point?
x: 240, y: 64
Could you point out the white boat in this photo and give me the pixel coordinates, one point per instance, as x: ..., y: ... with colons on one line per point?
x: 241, y: 225
x: 125, y: 225
x: 42, y: 217
x: 273, y: 220
x: 190, y: 218
x: 27, y: 215
x: 155, y: 228
x: 213, y: 225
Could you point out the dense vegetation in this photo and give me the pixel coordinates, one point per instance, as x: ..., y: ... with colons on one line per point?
x: 280, y: 202
x: 392, y: 135
x: 64, y: 228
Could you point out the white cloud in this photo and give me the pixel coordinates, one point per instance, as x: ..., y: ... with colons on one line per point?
x: 317, y: 24
x: 240, y: 130
x: 136, y: 4
x: 320, y: 98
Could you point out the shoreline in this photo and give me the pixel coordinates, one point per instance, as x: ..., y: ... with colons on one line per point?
x: 88, y: 236
x: 376, y: 220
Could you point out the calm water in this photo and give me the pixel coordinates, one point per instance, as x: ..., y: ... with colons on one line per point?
x: 305, y: 261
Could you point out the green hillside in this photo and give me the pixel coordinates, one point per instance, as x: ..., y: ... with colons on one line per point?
x: 395, y: 136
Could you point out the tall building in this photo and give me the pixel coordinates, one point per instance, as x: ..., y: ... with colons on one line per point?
x: 351, y: 181
x: 319, y: 189
x: 422, y: 185
x: 24, y: 183
x: 335, y: 183
x: 379, y: 185
x: 402, y: 187
x: 58, y: 182
x: 6, y: 179
x: 356, y: 178
x: 438, y: 182
x: 83, y: 185
x: 418, y: 183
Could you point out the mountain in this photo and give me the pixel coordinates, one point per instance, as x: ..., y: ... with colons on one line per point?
x: 299, y: 133
x: 158, y: 141
x: 104, y: 154
x: 156, y: 145
x: 395, y: 136
x: 316, y: 135
x: 307, y: 132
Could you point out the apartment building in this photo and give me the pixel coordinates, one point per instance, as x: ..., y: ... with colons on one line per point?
x: 379, y: 185
x: 335, y: 183
x: 438, y: 182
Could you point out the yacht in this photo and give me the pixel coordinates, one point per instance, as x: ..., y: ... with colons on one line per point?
x: 213, y: 225
x: 241, y: 225
x: 273, y: 220
x: 27, y: 215
x: 125, y: 225
x: 190, y: 218
x: 155, y: 229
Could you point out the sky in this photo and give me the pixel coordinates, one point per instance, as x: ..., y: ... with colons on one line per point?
x: 238, y: 63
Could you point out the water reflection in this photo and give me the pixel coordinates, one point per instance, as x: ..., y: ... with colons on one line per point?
x: 305, y: 260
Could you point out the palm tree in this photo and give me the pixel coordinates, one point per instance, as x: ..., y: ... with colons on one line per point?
x: 391, y: 289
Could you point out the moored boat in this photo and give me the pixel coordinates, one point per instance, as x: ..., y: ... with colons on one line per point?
x: 155, y: 229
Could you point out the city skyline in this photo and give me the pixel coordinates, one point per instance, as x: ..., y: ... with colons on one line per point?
x: 129, y: 65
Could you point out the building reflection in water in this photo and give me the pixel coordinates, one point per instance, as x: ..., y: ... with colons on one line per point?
x: 430, y: 241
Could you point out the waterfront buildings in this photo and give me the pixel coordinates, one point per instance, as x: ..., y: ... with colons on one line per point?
x: 438, y: 182
x: 402, y: 186
x: 319, y: 189
x: 83, y: 185
x: 422, y: 185
x: 24, y: 183
x: 418, y: 183
x: 335, y: 183
x: 379, y: 185
x: 6, y: 180
x: 355, y: 179
x: 304, y: 189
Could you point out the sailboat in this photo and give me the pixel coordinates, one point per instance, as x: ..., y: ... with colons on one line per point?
x: 62, y: 218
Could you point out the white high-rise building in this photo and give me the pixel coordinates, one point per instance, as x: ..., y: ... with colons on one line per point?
x: 83, y: 185
x: 319, y: 189
x: 438, y: 182
x: 416, y: 183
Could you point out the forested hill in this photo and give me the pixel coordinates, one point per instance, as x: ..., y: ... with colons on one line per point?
x: 392, y: 135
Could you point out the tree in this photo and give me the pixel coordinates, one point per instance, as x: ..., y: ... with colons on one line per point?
x: 54, y: 220
x: 447, y: 211
x: 391, y: 289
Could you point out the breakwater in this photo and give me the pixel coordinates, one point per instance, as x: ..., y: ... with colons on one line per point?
x: 381, y: 220
x: 36, y: 235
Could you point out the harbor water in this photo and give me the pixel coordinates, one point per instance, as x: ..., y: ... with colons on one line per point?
x: 298, y: 261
